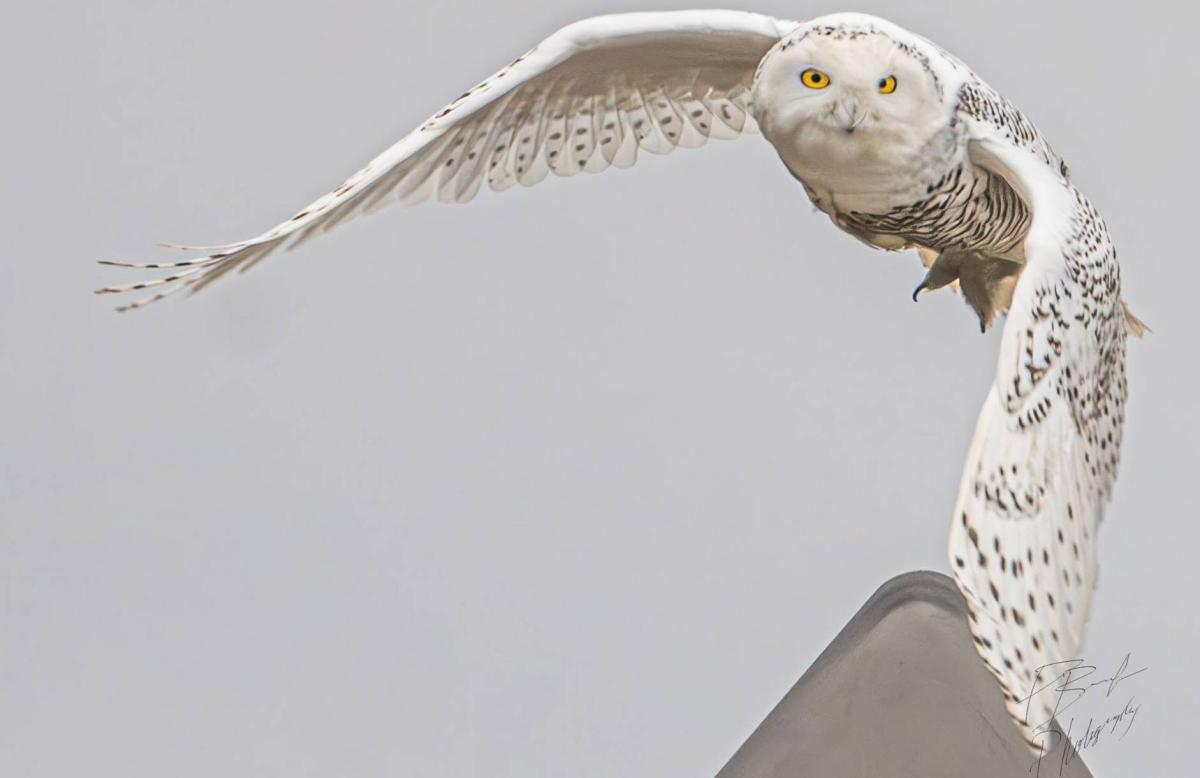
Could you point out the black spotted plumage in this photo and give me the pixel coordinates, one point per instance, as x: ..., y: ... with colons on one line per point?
x: 1046, y: 452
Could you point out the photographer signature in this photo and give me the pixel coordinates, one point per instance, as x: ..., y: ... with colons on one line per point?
x: 1068, y: 680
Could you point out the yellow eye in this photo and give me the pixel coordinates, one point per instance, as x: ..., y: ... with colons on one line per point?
x: 814, y: 79
x: 887, y: 85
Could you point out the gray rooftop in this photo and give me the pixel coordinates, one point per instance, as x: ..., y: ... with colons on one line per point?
x: 899, y: 692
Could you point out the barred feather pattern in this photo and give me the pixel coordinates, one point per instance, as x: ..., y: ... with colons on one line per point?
x: 967, y: 209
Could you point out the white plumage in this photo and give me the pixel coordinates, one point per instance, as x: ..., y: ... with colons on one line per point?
x: 903, y: 147
x: 590, y: 96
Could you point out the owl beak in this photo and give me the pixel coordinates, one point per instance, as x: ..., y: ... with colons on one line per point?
x: 849, y: 115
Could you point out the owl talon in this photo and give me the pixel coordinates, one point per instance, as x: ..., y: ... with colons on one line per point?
x: 940, y: 275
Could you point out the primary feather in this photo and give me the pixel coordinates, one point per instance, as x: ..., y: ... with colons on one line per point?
x: 588, y: 97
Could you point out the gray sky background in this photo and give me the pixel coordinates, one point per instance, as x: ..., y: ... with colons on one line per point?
x: 573, y: 480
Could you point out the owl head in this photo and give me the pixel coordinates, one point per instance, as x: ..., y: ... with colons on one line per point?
x: 849, y: 73
x: 849, y: 89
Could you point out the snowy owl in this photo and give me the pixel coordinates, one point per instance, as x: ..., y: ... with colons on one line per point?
x: 903, y: 147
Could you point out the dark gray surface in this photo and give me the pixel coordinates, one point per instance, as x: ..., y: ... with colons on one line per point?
x: 899, y: 692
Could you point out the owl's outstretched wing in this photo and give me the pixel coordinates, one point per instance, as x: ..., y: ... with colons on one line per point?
x: 589, y: 96
x: 1044, y: 457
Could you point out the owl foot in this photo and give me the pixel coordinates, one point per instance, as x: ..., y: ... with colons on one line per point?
x: 986, y: 281
x: 944, y: 270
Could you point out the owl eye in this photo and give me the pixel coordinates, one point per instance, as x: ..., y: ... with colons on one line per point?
x: 887, y: 85
x: 814, y: 79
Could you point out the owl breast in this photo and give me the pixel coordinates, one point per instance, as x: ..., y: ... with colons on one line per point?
x: 895, y: 192
x: 967, y: 209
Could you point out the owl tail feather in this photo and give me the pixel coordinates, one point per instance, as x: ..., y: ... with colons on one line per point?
x: 1136, y: 326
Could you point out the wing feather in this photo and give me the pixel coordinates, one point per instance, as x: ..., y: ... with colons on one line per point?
x: 585, y: 99
x: 1044, y: 457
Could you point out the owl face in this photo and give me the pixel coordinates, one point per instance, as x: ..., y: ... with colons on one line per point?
x: 848, y: 79
x: 845, y: 99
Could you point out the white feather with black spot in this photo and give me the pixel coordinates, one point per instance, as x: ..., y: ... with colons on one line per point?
x: 1046, y: 448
